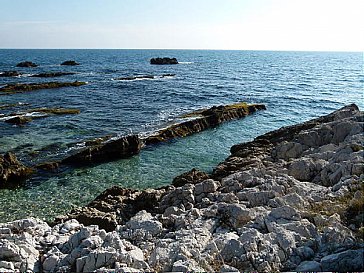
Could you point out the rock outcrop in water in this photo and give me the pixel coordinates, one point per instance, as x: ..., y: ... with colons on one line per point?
x: 110, y: 150
x: 145, y: 77
x: 12, y: 173
x: 113, y: 149
x: 291, y: 200
x: 23, y: 117
x: 70, y: 63
x: 26, y: 64
x: 26, y: 87
x: 9, y: 74
x: 163, y: 61
x: 204, y: 119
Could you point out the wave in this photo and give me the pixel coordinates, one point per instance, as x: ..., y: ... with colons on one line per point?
x: 186, y: 62
x: 146, y: 77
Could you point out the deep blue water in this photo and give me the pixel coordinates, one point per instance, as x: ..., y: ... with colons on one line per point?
x: 295, y: 86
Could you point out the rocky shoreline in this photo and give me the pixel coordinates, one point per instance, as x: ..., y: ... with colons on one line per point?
x: 291, y: 200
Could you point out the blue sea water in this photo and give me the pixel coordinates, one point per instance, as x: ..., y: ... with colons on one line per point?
x: 295, y: 87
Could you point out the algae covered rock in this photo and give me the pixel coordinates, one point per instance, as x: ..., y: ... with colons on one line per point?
x: 25, y: 87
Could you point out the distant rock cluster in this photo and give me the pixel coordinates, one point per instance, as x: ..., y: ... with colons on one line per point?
x: 291, y: 200
x: 163, y: 61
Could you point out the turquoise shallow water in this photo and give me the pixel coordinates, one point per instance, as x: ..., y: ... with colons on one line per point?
x: 295, y: 86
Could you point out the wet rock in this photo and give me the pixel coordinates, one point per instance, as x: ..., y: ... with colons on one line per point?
x: 26, y: 87
x: 110, y: 150
x: 12, y: 172
x: 70, y: 63
x: 10, y: 74
x: 163, y: 61
x: 26, y: 64
x: 193, y: 177
x: 19, y: 120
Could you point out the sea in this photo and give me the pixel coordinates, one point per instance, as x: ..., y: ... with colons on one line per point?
x: 294, y: 86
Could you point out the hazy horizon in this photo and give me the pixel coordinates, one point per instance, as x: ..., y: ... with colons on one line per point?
x: 268, y: 25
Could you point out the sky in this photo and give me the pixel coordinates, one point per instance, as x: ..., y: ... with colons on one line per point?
x: 318, y: 25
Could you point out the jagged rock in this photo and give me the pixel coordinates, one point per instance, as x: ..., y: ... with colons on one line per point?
x: 69, y: 63
x: 144, y: 221
x: 10, y: 74
x: 163, y: 61
x: 26, y: 64
x: 253, y: 214
x: 12, y: 172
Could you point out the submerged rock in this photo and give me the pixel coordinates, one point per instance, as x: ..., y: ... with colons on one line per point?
x: 10, y: 74
x: 25, y: 87
x: 26, y: 64
x: 52, y: 74
x: 163, y: 61
x: 70, y: 62
x: 12, y: 172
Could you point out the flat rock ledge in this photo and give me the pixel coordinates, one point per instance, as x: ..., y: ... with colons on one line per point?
x: 291, y: 200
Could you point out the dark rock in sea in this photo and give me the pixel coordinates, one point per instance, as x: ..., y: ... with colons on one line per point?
x: 10, y: 74
x: 52, y: 74
x: 163, y: 61
x: 25, y: 87
x: 203, y: 120
x: 55, y: 111
x: 12, y: 172
x: 110, y: 150
x: 193, y: 176
x: 26, y: 64
x: 133, y: 78
x: 19, y: 120
x: 69, y: 63
x: 168, y: 75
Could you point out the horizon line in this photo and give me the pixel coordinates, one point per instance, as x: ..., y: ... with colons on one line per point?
x: 196, y: 49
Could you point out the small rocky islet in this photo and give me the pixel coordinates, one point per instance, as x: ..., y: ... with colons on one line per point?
x: 290, y: 200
